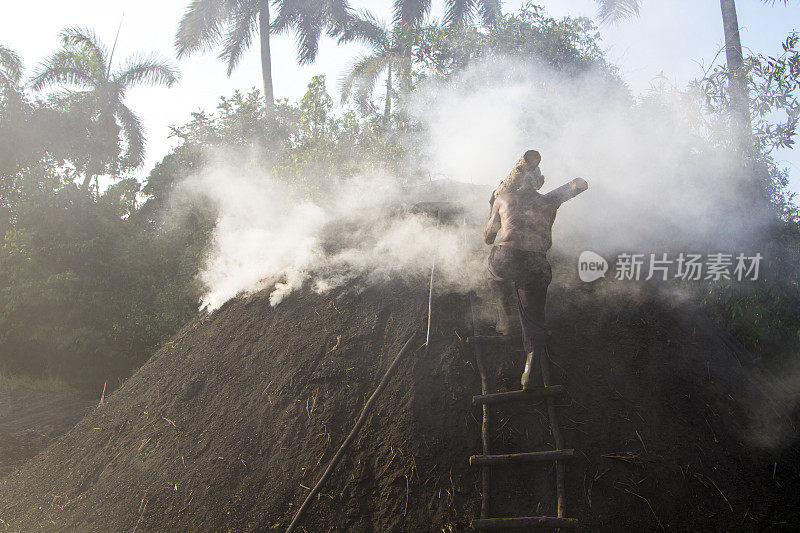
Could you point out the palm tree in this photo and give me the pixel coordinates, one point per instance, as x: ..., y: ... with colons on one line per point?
x: 10, y: 68
x: 232, y: 24
x: 410, y: 12
x: 390, y: 48
x: 85, y: 64
x: 611, y: 11
x: 740, y: 101
x: 385, y: 55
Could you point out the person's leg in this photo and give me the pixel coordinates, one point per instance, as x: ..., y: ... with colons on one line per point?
x: 531, y: 300
x: 501, y: 292
x: 501, y: 289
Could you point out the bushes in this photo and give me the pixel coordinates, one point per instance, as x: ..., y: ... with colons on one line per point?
x: 85, y: 294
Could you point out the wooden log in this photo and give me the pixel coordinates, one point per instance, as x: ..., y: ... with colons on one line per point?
x: 530, y: 394
x: 516, y: 458
x: 526, y: 521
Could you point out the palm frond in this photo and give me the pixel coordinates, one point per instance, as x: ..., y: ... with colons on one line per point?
x: 366, y: 28
x: 337, y: 14
x: 243, y: 24
x: 612, y: 11
x: 202, y: 25
x: 284, y: 10
x: 147, y: 69
x: 10, y: 66
x: 65, y: 68
x: 133, y: 132
x: 85, y: 40
x: 459, y: 12
x: 306, y: 20
x: 410, y: 12
x: 490, y: 11
x: 363, y: 75
x: 308, y: 31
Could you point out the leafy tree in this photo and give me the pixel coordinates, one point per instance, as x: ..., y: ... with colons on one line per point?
x: 765, y: 317
x: 84, y: 62
x: 774, y: 83
x: 564, y: 44
x: 410, y: 14
x: 615, y: 10
x: 86, y: 293
x: 232, y: 24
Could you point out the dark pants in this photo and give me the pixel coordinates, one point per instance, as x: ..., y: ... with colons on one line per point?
x: 529, y: 274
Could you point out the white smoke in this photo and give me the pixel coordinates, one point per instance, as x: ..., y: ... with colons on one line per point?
x: 269, y: 235
x: 649, y: 187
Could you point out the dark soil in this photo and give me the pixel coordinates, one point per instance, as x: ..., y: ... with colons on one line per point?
x: 30, y: 419
x: 234, y: 419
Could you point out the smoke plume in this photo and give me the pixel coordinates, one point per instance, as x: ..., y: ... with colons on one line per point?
x: 654, y: 185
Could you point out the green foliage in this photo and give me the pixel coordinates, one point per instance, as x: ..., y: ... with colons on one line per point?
x: 765, y: 315
x: 564, y: 44
x: 87, y: 294
x: 305, y: 144
x: 91, y: 285
x: 774, y: 83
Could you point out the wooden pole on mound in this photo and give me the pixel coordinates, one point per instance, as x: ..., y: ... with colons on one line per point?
x: 361, y: 419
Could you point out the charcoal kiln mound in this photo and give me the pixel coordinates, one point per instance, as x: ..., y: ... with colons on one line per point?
x: 233, y: 420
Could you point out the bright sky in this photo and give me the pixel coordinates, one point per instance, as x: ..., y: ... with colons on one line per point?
x: 678, y: 38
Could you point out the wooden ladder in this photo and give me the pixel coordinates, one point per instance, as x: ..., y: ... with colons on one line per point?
x: 487, y: 460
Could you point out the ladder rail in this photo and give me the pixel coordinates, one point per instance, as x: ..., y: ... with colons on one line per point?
x: 486, y: 419
x: 486, y: 461
x: 556, y: 432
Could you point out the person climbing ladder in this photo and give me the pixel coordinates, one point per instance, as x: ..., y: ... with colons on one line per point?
x: 520, y: 228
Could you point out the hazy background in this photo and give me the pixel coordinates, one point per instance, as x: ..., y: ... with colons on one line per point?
x: 678, y: 39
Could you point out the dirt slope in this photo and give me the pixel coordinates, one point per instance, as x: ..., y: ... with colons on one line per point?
x: 231, y: 421
x: 30, y: 419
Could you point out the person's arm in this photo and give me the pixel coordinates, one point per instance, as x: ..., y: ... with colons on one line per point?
x: 493, y: 224
x: 568, y: 191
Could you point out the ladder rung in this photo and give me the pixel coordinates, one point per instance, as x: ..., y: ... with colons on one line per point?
x: 490, y: 339
x: 530, y: 394
x: 526, y: 521
x: 513, y: 458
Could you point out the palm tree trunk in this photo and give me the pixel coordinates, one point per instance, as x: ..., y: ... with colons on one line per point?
x: 387, y: 111
x: 740, y: 102
x: 266, y: 55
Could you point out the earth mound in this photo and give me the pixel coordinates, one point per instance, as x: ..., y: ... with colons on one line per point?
x: 236, y: 417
